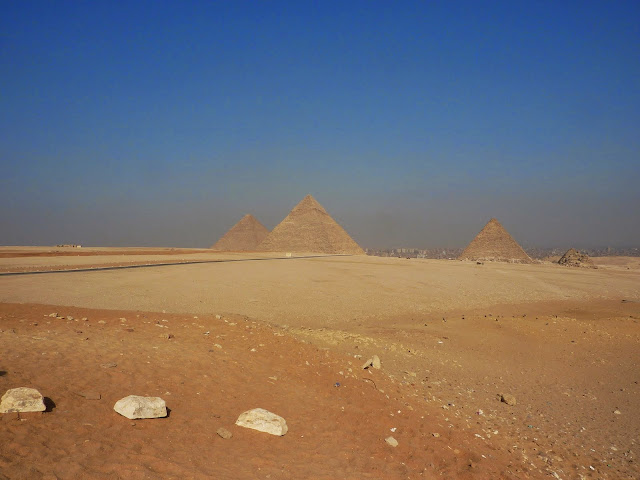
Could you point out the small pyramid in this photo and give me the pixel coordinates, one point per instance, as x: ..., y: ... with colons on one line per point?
x: 494, y: 243
x: 573, y: 258
x: 309, y: 228
x: 245, y: 235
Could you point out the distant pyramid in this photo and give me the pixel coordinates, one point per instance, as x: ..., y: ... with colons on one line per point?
x: 309, y: 228
x: 494, y: 243
x: 573, y: 258
x: 245, y: 235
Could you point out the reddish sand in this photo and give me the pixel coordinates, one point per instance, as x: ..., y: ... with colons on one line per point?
x: 334, y: 431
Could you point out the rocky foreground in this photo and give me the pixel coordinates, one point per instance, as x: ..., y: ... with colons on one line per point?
x: 209, y: 370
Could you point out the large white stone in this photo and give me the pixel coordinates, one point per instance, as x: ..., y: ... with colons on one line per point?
x: 135, y: 406
x: 22, y: 399
x: 263, y: 421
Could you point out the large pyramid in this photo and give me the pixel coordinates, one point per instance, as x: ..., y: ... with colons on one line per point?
x: 309, y: 228
x: 494, y: 243
x: 245, y: 235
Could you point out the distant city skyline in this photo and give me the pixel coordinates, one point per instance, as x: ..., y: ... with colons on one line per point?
x: 412, y: 123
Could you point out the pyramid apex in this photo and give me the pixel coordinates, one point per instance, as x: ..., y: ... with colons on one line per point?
x: 308, y: 203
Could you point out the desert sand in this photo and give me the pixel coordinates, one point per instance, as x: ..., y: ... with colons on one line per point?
x: 292, y: 336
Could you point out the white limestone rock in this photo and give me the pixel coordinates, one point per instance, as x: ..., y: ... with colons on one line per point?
x: 135, y: 406
x: 22, y: 399
x: 372, y: 362
x: 263, y: 421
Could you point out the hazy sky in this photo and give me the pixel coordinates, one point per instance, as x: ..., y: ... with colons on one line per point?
x: 162, y: 123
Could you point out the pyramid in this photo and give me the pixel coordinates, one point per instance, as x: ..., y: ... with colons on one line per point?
x: 309, y: 228
x: 573, y: 258
x: 494, y: 243
x: 244, y: 235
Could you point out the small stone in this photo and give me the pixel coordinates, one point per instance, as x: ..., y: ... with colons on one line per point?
x: 372, y: 362
x: 53, y: 315
x: 617, y: 412
x: 109, y: 365
x: 508, y: 399
x: 391, y: 441
x: 101, y: 321
x: 224, y: 433
x: 135, y: 406
x: 22, y: 399
x: 167, y: 336
x: 218, y: 317
x: 69, y: 317
x: 435, y: 434
x: 263, y: 421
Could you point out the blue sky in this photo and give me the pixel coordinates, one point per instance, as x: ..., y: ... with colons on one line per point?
x: 413, y: 123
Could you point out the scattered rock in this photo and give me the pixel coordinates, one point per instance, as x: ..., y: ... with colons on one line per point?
x: 617, y: 412
x: 22, y: 399
x: 168, y: 336
x: 391, y: 441
x: 263, y: 421
x: 224, y: 433
x: 508, y: 399
x: 372, y: 362
x: 69, y: 317
x: 135, y: 406
x: 109, y: 365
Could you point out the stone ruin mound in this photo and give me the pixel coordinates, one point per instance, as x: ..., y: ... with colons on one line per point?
x: 309, y: 228
x: 494, y: 243
x: 573, y: 258
x: 245, y: 235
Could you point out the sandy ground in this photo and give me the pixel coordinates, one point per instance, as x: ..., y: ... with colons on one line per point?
x: 31, y: 259
x: 452, y: 336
